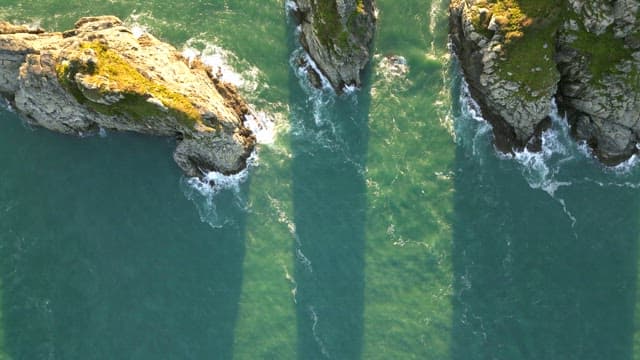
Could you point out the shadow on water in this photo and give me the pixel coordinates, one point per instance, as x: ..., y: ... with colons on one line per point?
x: 527, y: 285
x: 102, y: 257
x: 329, y: 145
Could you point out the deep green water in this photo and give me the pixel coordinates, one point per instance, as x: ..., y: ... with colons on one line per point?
x: 377, y: 225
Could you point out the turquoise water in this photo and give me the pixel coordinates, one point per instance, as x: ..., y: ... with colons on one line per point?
x: 375, y: 225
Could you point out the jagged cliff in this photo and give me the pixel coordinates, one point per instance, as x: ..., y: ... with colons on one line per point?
x: 337, y: 35
x: 517, y: 55
x: 99, y: 75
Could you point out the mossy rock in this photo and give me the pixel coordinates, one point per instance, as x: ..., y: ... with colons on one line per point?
x: 105, y: 74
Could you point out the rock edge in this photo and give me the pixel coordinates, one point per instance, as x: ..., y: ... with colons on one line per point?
x: 337, y: 35
x: 517, y: 56
x: 100, y: 76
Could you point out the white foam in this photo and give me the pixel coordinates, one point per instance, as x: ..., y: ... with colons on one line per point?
x: 541, y: 170
x: 137, y: 24
x: 391, y: 66
x: 190, y: 54
x: 225, y: 63
x: 304, y: 260
x: 474, y: 134
x: 290, y: 5
x: 262, y: 124
x: 214, y: 182
x: 350, y: 89
x: 291, y: 227
x: 203, y: 192
x: 263, y: 127
x: 292, y: 281
x: 138, y: 31
x: 314, y: 330
x: 5, y: 104
x: 301, y: 71
x: 325, y: 131
x: 627, y: 166
x: 220, y: 62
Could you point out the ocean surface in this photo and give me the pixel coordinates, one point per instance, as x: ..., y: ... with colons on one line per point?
x: 380, y: 224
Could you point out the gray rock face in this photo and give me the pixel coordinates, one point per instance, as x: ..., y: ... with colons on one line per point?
x: 337, y: 35
x: 516, y: 112
x: 603, y: 102
x: 595, y: 15
x: 591, y: 65
x: 99, y: 75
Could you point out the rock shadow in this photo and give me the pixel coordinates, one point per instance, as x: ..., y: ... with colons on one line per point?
x: 526, y: 284
x: 102, y: 256
x: 329, y: 147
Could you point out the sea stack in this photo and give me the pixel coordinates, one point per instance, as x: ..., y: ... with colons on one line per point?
x: 337, y: 35
x: 517, y: 56
x: 100, y: 75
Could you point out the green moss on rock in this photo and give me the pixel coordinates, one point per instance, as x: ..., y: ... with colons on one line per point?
x: 111, y: 74
x: 603, y: 51
x: 329, y: 26
x: 529, y: 28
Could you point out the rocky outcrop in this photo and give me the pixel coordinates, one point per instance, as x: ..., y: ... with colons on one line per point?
x: 599, y: 61
x: 514, y: 108
x: 99, y: 75
x: 337, y: 35
x: 516, y: 56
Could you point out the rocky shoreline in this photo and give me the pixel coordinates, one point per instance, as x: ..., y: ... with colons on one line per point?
x: 99, y: 75
x: 337, y: 35
x: 517, y: 56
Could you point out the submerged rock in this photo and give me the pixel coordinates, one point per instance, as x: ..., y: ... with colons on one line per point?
x: 517, y: 56
x: 337, y: 35
x: 99, y: 75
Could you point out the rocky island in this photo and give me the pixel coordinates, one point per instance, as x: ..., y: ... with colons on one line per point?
x: 337, y: 35
x: 99, y: 75
x: 517, y: 55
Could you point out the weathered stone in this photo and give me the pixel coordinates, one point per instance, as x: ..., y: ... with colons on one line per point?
x: 514, y: 118
x: 57, y: 81
x: 337, y: 35
x: 603, y: 105
x: 604, y: 110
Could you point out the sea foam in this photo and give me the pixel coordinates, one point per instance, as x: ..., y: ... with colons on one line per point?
x: 541, y: 170
x: 249, y: 80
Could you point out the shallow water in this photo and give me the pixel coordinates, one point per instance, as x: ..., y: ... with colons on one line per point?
x: 380, y: 224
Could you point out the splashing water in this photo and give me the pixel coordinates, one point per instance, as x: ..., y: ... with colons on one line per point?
x: 249, y: 80
x: 542, y: 170
x: 226, y: 63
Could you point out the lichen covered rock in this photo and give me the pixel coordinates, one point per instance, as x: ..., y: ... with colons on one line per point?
x: 599, y: 60
x: 512, y: 85
x: 99, y: 75
x: 517, y: 55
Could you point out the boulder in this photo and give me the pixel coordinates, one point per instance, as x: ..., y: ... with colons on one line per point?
x: 99, y: 75
x: 337, y: 35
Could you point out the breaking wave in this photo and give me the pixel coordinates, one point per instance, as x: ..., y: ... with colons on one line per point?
x: 265, y: 125
x: 551, y: 169
x: 327, y: 129
x: 6, y: 105
x: 203, y: 192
